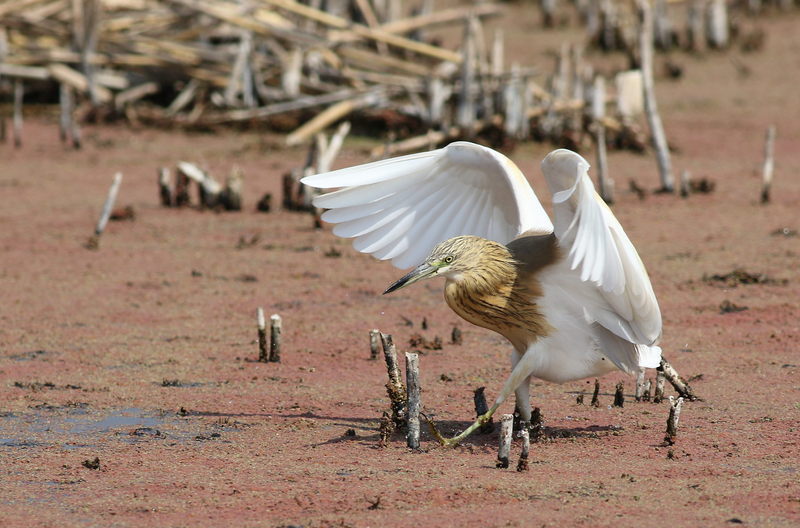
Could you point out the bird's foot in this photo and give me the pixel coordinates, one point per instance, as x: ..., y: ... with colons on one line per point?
x: 456, y: 440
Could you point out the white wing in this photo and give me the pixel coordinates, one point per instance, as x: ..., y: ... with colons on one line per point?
x: 601, y: 251
x: 400, y: 208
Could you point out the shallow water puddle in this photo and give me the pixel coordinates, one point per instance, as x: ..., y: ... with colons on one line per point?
x: 76, y: 427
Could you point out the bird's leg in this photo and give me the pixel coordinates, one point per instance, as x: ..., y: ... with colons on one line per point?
x: 452, y: 442
x: 523, y: 398
x: 522, y: 370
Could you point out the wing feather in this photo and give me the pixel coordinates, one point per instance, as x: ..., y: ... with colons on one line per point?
x: 600, y: 251
x: 402, y: 207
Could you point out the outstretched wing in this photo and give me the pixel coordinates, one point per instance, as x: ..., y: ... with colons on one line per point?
x: 600, y: 250
x: 400, y: 208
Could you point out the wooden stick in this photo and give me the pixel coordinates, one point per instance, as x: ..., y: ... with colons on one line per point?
x: 263, y: 352
x: 506, y: 428
x: 231, y: 196
x: 94, y: 241
x: 455, y: 336
x: 329, y: 116
x: 537, y: 425
x: 395, y: 387
x: 413, y: 397
x: 685, y: 183
x: 672, y: 420
x: 522, y: 465
x: 278, y: 108
x: 678, y: 383
x: 292, y: 73
x: 619, y: 395
x: 275, y: 329
x: 134, y: 94
x: 374, y: 338
x: 639, y: 385
x: 385, y: 429
x: 769, y: 164
x: 362, y: 31
x: 605, y: 182
x: 466, y: 98
x: 164, y: 186
x: 19, y: 94
x: 650, y: 106
x: 183, y: 98
x: 181, y: 188
x: 646, y: 391
x: 332, y: 148
x: 70, y: 130
x: 481, y: 408
x: 78, y: 81
x: 718, y: 26
x: 372, y: 21
x: 659, y: 392
x: 441, y: 17
x: 695, y: 23
x: 596, y: 393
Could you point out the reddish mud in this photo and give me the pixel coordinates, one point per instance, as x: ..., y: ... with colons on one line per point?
x: 140, y: 354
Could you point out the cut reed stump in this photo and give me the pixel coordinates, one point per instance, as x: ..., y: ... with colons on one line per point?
x: 650, y: 106
x: 108, y: 206
x: 481, y: 408
x: 395, y: 388
x: 678, y: 383
x: 263, y: 351
x: 374, y: 343
x: 506, y: 428
x: 164, y: 186
x: 639, y: 385
x: 619, y: 395
x: 672, y: 420
x: 522, y: 465
x: 769, y: 165
x: 275, y: 330
x: 413, y: 398
x: 659, y: 392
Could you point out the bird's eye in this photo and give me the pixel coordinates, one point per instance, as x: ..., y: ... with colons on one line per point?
x: 448, y: 259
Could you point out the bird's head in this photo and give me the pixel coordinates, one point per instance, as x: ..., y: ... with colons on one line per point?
x: 452, y: 258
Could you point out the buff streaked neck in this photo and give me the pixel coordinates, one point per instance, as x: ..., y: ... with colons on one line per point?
x: 498, y: 292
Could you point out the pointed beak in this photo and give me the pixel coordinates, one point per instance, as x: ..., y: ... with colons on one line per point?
x: 423, y: 271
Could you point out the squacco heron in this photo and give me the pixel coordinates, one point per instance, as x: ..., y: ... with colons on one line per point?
x: 571, y: 296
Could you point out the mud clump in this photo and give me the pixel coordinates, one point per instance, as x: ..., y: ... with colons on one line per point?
x: 91, y: 463
x: 421, y: 342
x: 741, y: 276
x: 728, y: 307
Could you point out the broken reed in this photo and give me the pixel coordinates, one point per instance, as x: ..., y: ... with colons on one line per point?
x: 672, y: 420
x: 395, y: 388
x: 108, y: 206
x: 619, y: 395
x: 504, y: 451
x: 374, y: 343
x: 596, y: 394
x: 769, y: 165
x: 678, y: 383
x: 269, y: 352
x: 263, y: 351
x: 481, y: 408
x: 522, y: 465
x: 413, y: 399
x: 275, y: 330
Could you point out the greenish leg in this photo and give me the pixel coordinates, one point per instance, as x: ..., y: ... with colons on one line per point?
x: 452, y: 442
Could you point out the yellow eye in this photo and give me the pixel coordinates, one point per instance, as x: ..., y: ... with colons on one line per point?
x: 448, y: 259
